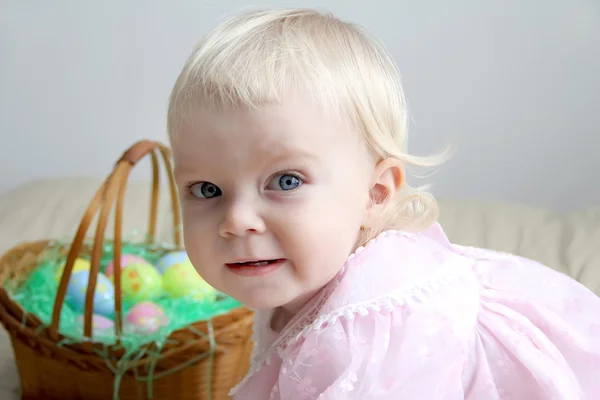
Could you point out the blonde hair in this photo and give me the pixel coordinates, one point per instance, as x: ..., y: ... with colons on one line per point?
x: 256, y: 58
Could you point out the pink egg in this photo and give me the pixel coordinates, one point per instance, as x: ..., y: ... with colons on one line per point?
x: 100, y: 325
x: 146, y: 317
x: 126, y: 259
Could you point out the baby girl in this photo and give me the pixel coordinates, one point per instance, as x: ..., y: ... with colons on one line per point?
x: 289, y: 132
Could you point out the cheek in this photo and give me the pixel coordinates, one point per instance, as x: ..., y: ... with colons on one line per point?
x: 198, y: 218
x: 198, y: 234
x: 336, y: 209
x: 320, y: 233
x: 191, y: 228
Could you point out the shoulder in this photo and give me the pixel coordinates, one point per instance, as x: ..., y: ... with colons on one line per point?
x: 396, y: 273
x: 380, y: 346
x: 394, y: 270
x: 404, y: 299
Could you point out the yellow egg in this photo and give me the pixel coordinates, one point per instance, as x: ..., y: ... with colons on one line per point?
x: 182, y: 280
x: 80, y: 264
x: 141, y: 281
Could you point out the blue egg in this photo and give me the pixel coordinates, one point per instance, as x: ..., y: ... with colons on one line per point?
x: 170, y: 259
x: 104, y: 296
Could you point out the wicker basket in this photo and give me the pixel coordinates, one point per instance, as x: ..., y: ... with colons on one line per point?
x: 49, y: 369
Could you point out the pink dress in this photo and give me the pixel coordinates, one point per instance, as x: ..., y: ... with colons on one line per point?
x: 413, y: 317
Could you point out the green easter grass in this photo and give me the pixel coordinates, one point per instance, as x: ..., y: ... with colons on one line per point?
x: 37, y: 294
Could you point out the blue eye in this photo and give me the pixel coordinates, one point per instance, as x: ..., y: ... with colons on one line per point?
x: 205, y: 190
x: 285, y: 182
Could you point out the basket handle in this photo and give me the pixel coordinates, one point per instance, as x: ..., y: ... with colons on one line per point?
x: 114, y: 186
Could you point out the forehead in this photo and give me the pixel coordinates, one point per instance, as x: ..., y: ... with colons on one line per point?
x: 297, y: 126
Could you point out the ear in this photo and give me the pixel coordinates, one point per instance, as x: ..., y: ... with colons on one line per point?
x: 387, y: 179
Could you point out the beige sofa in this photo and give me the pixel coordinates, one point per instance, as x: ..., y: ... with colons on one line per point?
x: 566, y: 242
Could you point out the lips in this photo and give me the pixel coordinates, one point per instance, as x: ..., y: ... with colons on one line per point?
x: 255, y: 267
x: 253, y: 263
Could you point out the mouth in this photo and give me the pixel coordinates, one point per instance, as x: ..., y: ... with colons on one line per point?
x: 255, y: 267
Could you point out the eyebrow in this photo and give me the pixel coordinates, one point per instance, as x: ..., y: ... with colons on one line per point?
x: 287, y: 154
x: 275, y: 155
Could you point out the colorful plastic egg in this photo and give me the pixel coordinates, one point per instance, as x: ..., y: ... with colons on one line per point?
x: 80, y: 264
x: 101, y: 325
x: 170, y: 259
x: 141, y: 281
x: 104, y: 295
x: 126, y: 260
x: 146, y: 317
x: 182, y: 280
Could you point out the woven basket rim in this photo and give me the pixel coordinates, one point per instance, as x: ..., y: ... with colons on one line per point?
x: 12, y: 316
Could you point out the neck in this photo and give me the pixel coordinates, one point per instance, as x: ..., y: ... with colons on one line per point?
x: 283, y: 315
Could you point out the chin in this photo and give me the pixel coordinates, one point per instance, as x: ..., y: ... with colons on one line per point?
x: 260, y: 302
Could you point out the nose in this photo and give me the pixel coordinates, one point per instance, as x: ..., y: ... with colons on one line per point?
x: 240, y: 220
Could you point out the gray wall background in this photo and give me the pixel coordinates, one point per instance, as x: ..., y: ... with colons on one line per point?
x: 512, y: 85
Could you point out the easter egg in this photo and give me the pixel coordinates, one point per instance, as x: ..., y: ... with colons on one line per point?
x: 170, y: 259
x: 104, y: 295
x: 141, y: 281
x: 80, y: 264
x: 183, y: 280
x: 126, y: 260
x: 100, y: 325
x: 146, y: 317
